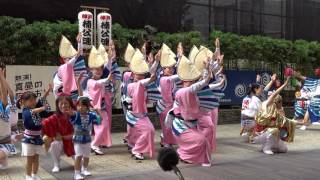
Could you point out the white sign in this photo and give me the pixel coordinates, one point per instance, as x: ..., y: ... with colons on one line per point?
x: 86, y: 28
x: 104, y: 23
x: 31, y: 78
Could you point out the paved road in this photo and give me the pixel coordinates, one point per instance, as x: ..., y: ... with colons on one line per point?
x: 233, y: 160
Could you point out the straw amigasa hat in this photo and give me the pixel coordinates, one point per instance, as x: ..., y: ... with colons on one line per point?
x: 66, y: 50
x: 129, y: 53
x: 138, y: 65
x: 209, y: 52
x: 200, y: 60
x: 167, y: 57
x: 193, y: 52
x: 102, y: 51
x: 187, y: 71
x: 95, y: 59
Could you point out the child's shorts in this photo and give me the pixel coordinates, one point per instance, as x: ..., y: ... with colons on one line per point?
x: 31, y: 149
x: 82, y: 149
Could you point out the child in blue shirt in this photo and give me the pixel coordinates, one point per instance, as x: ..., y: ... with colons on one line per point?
x: 32, y: 140
x: 82, y: 121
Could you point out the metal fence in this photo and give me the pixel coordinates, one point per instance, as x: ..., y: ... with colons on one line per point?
x: 289, y: 19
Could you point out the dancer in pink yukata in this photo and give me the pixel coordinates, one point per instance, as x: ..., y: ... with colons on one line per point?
x: 209, y: 96
x: 72, y: 65
x: 194, y: 146
x: 141, y: 129
x: 167, y: 88
x: 127, y: 77
x: 101, y: 99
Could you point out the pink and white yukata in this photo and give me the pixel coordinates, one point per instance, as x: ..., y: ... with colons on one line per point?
x: 141, y: 129
x: 64, y: 81
x: 167, y: 87
x: 101, y: 99
x: 126, y: 79
x: 194, y: 146
x: 208, y: 119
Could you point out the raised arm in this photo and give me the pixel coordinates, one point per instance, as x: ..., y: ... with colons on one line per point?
x: 269, y: 85
x: 277, y: 92
x: 9, y: 90
x: 155, y: 64
x: 105, y: 81
x: 40, y: 109
x: 79, y: 79
x: 217, y: 44
x: 201, y: 84
x: 174, y: 77
x: 147, y: 81
x: 3, y: 88
x: 80, y: 44
x: 47, y: 92
x: 298, y: 75
x: 219, y: 84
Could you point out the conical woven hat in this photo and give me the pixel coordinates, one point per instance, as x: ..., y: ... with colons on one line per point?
x: 194, y: 51
x: 187, y: 71
x: 129, y: 53
x: 209, y: 52
x: 66, y: 50
x: 167, y: 57
x: 138, y: 65
x: 200, y: 59
x: 95, y: 59
x: 102, y: 51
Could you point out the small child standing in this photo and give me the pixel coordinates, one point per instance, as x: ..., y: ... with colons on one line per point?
x: 32, y: 140
x: 82, y: 121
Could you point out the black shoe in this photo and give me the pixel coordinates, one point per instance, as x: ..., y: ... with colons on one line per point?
x: 125, y: 141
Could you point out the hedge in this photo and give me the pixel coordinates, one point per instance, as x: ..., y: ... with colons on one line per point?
x: 37, y: 43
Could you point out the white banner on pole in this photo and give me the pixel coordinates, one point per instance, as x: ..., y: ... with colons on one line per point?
x: 86, y: 28
x: 104, y: 23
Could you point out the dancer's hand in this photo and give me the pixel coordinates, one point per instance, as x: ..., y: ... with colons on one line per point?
x: 179, y: 50
x: 79, y: 78
x: 258, y: 78
x: 79, y: 36
x: 150, y: 59
x: 157, y: 57
x: 274, y: 77
x: 287, y: 80
x: 110, y: 77
x: 217, y: 43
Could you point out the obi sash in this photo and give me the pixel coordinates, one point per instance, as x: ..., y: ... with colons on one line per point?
x: 160, y: 107
x: 209, y: 99
x: 153, y: 93
x: 300, y: 108
x: 178, y: 124
x: 132, y: 119
x: 115, y: 71
x: 80, y: 66
x: 314, y: 106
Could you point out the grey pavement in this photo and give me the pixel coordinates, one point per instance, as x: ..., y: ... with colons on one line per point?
x: 233, y: 160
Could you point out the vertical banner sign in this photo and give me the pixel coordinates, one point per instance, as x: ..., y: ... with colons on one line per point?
x: 86, y: 28
x: 104, y: 23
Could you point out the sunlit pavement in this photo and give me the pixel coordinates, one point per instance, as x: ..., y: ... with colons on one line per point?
x: 233, y: 160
